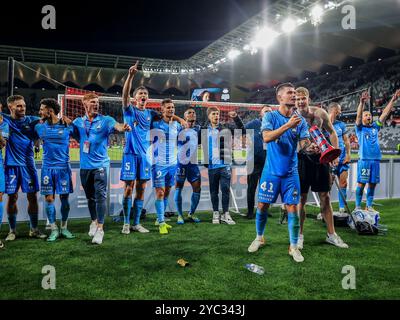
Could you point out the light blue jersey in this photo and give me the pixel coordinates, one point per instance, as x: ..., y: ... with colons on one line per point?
x: 282, y: 155
x: 19, y: 149
x: 188, y: 145
x: 93, y: 138
x: 138, y: 140
x: 55, y: 144
x: 340, y: 128
x: 165, y: 142
x: 4, y: 132
x: 214, y: 156
x: 368, y: 141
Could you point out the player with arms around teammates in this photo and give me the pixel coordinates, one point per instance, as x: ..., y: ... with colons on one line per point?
x: 188, y: 167
x: 164, y: 142
x: 56, y: 176
x: 136, y: 162
x: 93, y: 130
x: 20, y: 170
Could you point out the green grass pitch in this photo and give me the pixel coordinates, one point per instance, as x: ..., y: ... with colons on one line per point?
x: 144, y: 266
x: 115, y: 154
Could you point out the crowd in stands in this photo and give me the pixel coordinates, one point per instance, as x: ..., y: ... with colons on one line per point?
x: 381, y: 76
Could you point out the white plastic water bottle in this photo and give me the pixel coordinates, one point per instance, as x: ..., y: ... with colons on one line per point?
x: 255, y: 268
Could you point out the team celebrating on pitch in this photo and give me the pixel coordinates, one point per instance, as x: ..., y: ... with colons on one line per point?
x: 163, y: 147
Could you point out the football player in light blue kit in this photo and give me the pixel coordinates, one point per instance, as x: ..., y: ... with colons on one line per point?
x: 188, y: 167
x: 282, y: 130
x: 20, y: 168
x: 368, y: 165
x: 56, y: 176
x: 342, y: 168
x: 93, y: 131
x: 4, y: 133
x: 136, y: 162
x: 164, y: 142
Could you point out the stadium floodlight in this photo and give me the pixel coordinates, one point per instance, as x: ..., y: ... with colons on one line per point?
x: 289, y: 25
x: 331, y: 5
x: 247, y: 47
x: 233, y: 53
x: 316, y: 14
x: 264, y: 37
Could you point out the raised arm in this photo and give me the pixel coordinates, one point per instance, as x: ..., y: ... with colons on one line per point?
x: 237, y: 120
x: 389, y: 106
x: 364, y: 97
x: 126, y: 99
x: 272, y: 135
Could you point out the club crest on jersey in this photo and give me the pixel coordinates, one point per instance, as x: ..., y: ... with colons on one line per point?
x: 60, y: 132
x: 295, y: 193
x: 148, y: 118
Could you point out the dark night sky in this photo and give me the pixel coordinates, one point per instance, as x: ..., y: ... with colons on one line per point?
x: 174, y: 29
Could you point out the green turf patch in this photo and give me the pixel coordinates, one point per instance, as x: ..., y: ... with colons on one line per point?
x: 144, y: 266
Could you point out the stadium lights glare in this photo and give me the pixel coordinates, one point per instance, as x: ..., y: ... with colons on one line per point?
x: 233, y: 54
x: 264, y: 38
x: 331, y: 5
x: 316, y: 15
x: 289, y: 25
x: 246, y: 47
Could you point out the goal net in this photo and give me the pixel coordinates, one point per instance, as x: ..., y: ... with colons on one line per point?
x: 111, y: 105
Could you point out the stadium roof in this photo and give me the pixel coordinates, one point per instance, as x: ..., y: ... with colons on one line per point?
x: 308, y: 49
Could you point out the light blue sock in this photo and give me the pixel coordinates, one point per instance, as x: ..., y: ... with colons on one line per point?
x: 194, y: 202
x: 1, y: 212
x: 178, y: 201
x: 160, y: 210
x: 127, y: 206
x: 12, y: 221
x: 370, y: 196
x: 294, y: 227
x: 359, y: 195
x: 138, y: 206
x: 65, y: 208
x: 165, y: 204
x: 261, y: 221
x: 341, y: 200
x: 50, y: 212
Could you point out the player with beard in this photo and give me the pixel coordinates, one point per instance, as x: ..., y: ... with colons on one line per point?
x: 188, y: 166
x: 343, y: 166
x: 368, y: 165
x: 56, y: 170
x: 20, y: 168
